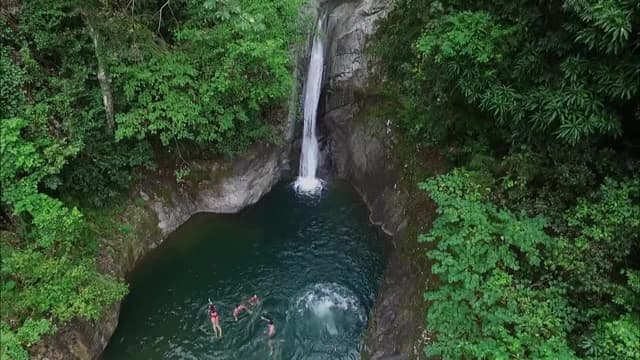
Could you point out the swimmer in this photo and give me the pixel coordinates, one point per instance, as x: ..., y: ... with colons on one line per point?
x: 215, y: 319
x: 271, y: 332
x: 238, y: 309
x: 271, y: 327
x: 254, y: 300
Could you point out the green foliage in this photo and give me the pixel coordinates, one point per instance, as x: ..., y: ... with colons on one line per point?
x: 27, y: 161
x: 566, y: 69
x: 547, y: 178
x: 605, y: 25
x: 50, y: 276
x: 100, y: 173
x: 491, y: 302
x: 603, y: 231
x: 509, y: 290
x: 196, y: 75
x: 50, y: 49
x: 468, y: 37
x: 11, y: 76
x: 59, y: 287
x: 538, y: 100
x: 228, y: 63
x: 617, y: 339
x: 28, y: 334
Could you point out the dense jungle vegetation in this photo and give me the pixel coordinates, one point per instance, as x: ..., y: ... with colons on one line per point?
x: 537, y: 105
x: 92, y: 93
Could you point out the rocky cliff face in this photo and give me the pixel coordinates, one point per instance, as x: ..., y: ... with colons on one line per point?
x: 360, y: 148
x: 227, y: 188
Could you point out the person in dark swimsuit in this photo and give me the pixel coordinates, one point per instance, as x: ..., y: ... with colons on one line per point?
x: 215, y: 320
x: 271, y: 327
x: 271, y: 332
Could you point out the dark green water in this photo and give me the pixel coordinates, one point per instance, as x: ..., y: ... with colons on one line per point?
x: 316, y: 264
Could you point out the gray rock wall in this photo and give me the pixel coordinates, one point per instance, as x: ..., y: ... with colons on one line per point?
x: 360, y: 146
x: 228, y: 188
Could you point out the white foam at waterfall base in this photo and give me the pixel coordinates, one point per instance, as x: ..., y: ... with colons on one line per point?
x: 307, y: 182
x: 308, y: 185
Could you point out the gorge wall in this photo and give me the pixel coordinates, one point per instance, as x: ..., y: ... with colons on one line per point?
x: 360, y: 146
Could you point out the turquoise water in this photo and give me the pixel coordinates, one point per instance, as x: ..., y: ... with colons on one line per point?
x: 315, y: 263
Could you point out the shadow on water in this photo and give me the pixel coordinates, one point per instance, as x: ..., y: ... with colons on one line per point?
x: 316, y: 263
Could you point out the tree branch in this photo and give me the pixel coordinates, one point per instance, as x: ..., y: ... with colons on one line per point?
x: 160, y: 14
x: 132, y: 5
x: 103, y: 75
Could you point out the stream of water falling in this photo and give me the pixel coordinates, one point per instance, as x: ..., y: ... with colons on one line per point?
x: 307, y: 181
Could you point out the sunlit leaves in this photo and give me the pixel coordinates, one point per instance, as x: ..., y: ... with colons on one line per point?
x: 509, y: 290
x: 616, y: 339
x: 204, y: 74
x: 28, y: 334
x: 162, y: 97
x: 564, y: 79
x: 44, y: 276
x: 60, y: 287
x: 25, y: 162
x: 472, y: 37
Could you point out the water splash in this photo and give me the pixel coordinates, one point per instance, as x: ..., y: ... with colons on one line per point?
x: 334, y: 308
x: 307, y: 182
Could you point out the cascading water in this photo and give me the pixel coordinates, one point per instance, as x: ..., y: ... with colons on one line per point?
x: 307, y: 181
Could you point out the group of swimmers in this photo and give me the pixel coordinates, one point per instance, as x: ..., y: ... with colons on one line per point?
x: 252, y: 301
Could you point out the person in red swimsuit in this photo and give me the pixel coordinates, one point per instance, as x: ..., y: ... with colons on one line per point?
x: 215, y: 320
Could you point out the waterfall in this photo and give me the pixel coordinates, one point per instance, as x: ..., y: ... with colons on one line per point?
x: 307, y: 181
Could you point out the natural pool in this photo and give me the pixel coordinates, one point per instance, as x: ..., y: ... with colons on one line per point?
x: 316, y: 264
